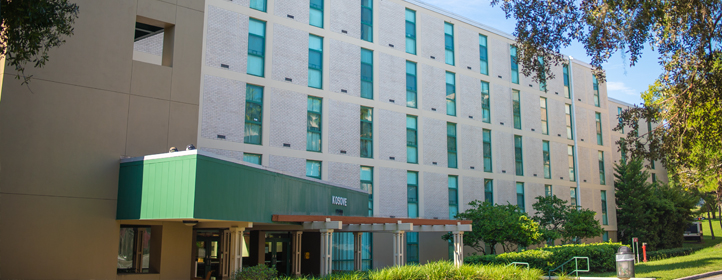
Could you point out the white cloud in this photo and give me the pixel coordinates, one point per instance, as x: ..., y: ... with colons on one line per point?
x: 620, y: 87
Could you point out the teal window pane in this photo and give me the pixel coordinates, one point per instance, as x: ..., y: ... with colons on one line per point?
x: 367, y: 173
x: 451, y: 144
x: 598, y: 118
x: 489, y: 191
x: 367, y: 74
x: 573, y: 196
x: 410, y: 16
x: 256, y: 47
x: 516, y: 108
x: 520, y: 196
x: 450, y: 94
x: 313, y: 169
x: 545, y: 123
x: 449, y: 43
x: 252, y: 158
x: 366, y: 132
x: 253, y: 115
x: 487, y: 150
x: 548, y: 190
x: 314, y: 78
x: 483, y: 56
x: 258, y: 5
x: 316, y: 13
x: 411, y: 178
x: 570, y: 156
x: 367, y: 20
x: 514, y: 66
x: 411, y: 45
x: 547, y: 160
x: 315, y: 61
x: 411, y: 155
x: 518, y: 156
x: 255, y: 66
x: 411, y: 140
x: 315, y: 43
x: 412, y: 247
x: 595, y: 86
x: 485, y: 103
x: 410, y: 31
x: 410, y: 84
x: 602, y: 177
x: 567, y: 91
x: 313, y: 127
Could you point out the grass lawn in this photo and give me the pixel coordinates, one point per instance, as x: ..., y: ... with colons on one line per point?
x: 704, y: 260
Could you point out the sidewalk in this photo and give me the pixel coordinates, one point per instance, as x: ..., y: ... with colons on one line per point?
x: 714, y: 275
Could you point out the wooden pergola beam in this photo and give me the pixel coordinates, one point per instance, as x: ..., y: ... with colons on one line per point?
x: 365, y: 220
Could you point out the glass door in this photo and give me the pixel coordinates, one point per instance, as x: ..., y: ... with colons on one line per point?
x: 278, y: 252
x: 208, y: 246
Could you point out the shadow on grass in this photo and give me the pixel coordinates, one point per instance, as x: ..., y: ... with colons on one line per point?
x: 659, y: 269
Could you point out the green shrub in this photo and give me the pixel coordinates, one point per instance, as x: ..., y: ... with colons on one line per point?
x: 601, y: 257
x: 669, y: 253
x: 259, y: 272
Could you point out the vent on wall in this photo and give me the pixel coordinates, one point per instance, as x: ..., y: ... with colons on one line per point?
x: 392, y: 158
x: 344, y: 91
x: 220, y: 136
x: 499, y: 76
x: 289, y: 16
x: 225, y: 66
x: 344, y: 31
x: 343, y: 152
x: 391, y: 45
x: 392, y: 101
x: 286, y: 145
x: 471, y: 167
x: 432, y: 57
x: 433, y: 109
x: 468, y: 67
x: 434, y: 163
x: 289, y: 80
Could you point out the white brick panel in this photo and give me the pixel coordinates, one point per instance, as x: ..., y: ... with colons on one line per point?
x: 344, y: 129
x: 391, y: 134
x: 290, y: 55
x: 391, y: 77
x: 226, y: 39
x: 224, y: 103
x: 345, y: 68
x: 288, y: 118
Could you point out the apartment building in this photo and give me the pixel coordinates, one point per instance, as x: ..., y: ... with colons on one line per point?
x: 390, y: 110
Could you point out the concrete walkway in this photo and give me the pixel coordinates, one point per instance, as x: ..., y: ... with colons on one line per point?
x: 714, y: 275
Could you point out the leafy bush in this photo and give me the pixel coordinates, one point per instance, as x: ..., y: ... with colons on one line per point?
x: 437, y: 271
x: 669, y: 253
x: 601, y: 257
x: 259, y: 272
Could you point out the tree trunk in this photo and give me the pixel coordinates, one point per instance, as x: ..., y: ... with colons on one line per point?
x: 711, y: 231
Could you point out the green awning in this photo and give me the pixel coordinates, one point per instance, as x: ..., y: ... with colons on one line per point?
x: 201, y: 185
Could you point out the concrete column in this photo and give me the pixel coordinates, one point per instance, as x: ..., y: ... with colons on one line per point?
x: 296, y: 257
x: 326, y: 251
x: 237, y: 248
x: 399, y: 242
x: 458, y: 248
x: 357, y: 251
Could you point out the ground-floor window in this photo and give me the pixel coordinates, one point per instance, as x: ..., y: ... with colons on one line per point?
x: 135, y: 251
x: 412, y: 247
x: 343, y: 243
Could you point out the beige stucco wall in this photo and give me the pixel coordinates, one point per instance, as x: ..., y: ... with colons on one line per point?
x: 62, y: 136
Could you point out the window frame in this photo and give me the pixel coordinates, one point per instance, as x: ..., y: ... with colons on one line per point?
x: 598, y: 122
x: 602, y: 173
x: 259, y: 156
x: 518, y: 155
x: 544, y: 115
x: 520, y: 197
x: 453, y: 192
x: 485, y: 102
x: 320, y: 168
x: 452, y: 151
x: 451, y: 96
x: 514, y: 65
x: 369, y: 25
x: 486, y: 141
x: 415, y: 132
x: 370, y: 139
x: 365, y: 79
x: 309, y: 129
x: 483, y: 55
x: 489, y: 190
x: 247, y: 121
x: 368, y: 185
x: 252, y: 54
x: 410, y: 90
x: 312, y: 67
x: 516, y: 108
x: 449, y: 37
x: 412, y: 24
x: 546, y: 159
x: 319, y: 9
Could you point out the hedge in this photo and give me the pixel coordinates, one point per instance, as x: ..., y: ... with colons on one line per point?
x: 601, y: 257
x: 669, y: 253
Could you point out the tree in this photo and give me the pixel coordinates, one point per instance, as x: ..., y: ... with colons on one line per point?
x: 551, y: 214
x: 685, y: 100
x: 31, y: 28
x: 580, y: 224
x: 655, y: 213
x: 494, y: 224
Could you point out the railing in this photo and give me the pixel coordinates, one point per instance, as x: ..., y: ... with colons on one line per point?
x: 576, y: 266
x: 519, y: 263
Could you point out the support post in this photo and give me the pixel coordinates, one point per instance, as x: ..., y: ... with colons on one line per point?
x: 296, y: 265
x: 357, y: 251
x: 326, y: 251
x: 458, y: 248
x: 399, y: 242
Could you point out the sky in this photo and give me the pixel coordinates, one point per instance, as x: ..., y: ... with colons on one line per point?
x: 623, y: 82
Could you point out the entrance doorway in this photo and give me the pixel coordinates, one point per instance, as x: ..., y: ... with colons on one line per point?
x: 278, y: 251
x: 208, y: 252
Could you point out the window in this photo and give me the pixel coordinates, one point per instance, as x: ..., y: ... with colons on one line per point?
x: 410, y: 31
x: 412, y: 247
x: 135, y: 251
x: 343, y: 251
x: 596, y: 91
x: 568, y: 112
x: 254, y: 115
x: 547, y: 160
x: 520, y: 196
x: 411, y: 140
x: 602, y: 177
x: 451, y: 143
x: 153, y: 42
x: 649, y: 128
x: 252, y: 158
x: 316, y: 13
x: 619, y: 117
x: 623, y: 149
x: 453, y: 196
x: 449, y: 42
x: 542, y: 85
x: 651, y: 163
x: 654, y: 178
x: 313, y: 169
x: 313, y: 127
x: 450, y: 94
x: 545, y: 124
x: 485, y: 103
x: 573, y: 196
x: 572, y: 172
x: 598, y: 117
x: 412, y: 193
x: 605, y: 221
x: 516, y: 108
x: 567, y: 90
x: 605, y: 236
x: 489, y: 190
x: 367, y: 132
x: 410, y: 84
x: 518, y: 157
x: 548, y: 190
x: 483, y: 55
x: 514, y: 65
x: 256, y: 47
x: 487, y: 150
x: 367, y: 184
x: 315, y: 61
x: 367, y: 20
x: 258, y: 5
x: 367, y: 74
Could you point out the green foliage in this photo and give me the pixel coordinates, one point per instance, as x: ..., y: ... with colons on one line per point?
x: 30, y: 28
x: 580, y: 223
x: 494, y: 224
x: 601, y: 257
x: 259, y: 272
x: 436, y: 271
x: 670, y: 253
x: 657, y: 214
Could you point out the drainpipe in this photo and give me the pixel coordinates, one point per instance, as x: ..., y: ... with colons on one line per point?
x: 574, y: 133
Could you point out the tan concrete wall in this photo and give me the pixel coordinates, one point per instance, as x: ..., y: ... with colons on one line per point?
x: 62, y: 136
